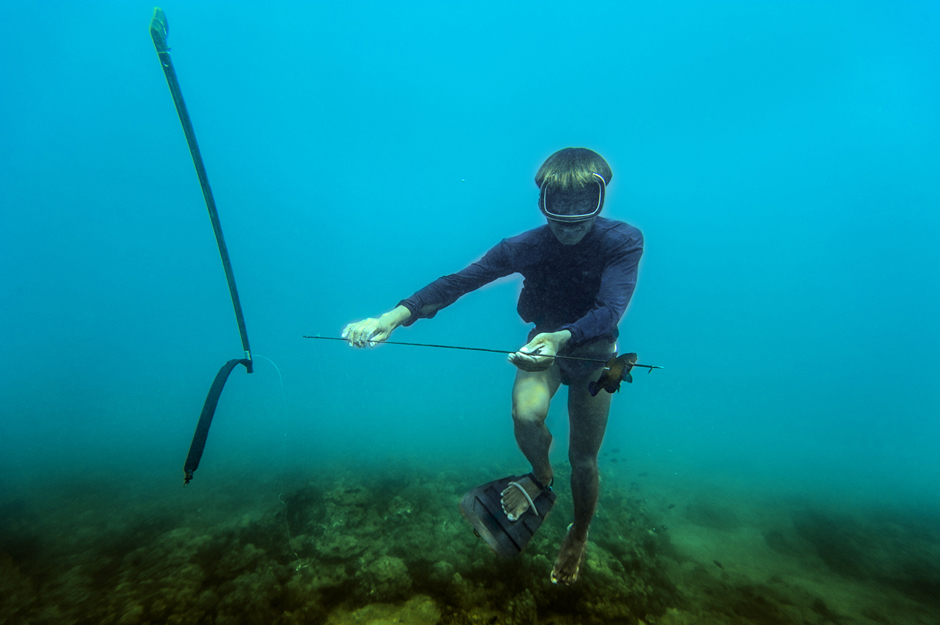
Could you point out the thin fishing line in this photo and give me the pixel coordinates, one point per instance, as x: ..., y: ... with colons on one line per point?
x: 281, y: 478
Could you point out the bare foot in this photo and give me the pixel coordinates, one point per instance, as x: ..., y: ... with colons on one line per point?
x: 570, y: 555
x: 514, y: 502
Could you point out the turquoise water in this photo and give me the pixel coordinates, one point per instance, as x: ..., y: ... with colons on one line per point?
x: 780, y: 158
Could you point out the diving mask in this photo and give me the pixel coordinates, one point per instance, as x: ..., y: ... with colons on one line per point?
x: 560, y: 204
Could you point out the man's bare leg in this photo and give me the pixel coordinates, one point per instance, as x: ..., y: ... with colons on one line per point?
x: 531, y: 395
x: 588, y: 418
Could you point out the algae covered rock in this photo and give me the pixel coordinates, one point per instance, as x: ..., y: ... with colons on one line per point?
x: 419, y: 610
x: 522, y: 610
x: 242, y: 558
x: 385, y: 579
x: 310, y: 580
x: 399, y: 507
x: 337, y: 546
x: 16, y: 589
x: 350, y: 496
x: 466, y: 595
x: 442, y: 572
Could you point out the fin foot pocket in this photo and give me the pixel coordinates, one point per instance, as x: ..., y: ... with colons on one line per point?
x: 483, y: 509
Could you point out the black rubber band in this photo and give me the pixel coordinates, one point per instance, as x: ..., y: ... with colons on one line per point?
x: 542, y: 487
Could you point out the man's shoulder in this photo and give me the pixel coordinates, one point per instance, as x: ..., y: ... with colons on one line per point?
x: 528, y: 240
x: 523, y: 248
x: 620, y: 233
x: 535, y: 234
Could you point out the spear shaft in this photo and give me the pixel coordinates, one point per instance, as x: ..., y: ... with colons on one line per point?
x: 474, y: 349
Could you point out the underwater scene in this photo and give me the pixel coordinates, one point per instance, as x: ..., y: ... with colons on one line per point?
x: 751, y: 211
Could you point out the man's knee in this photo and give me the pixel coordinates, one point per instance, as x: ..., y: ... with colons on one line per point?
x: 529, y: 410
x: 531, y: 396
x: 582, y: 461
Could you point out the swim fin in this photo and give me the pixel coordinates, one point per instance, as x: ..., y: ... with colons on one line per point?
x: 481, y: 506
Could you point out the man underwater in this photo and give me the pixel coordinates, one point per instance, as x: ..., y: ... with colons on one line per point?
x: 580, y: 272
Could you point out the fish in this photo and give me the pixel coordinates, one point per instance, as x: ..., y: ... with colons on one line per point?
x: 617, y: 371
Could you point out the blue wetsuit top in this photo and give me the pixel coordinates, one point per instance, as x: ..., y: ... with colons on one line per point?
x: 583, y: 288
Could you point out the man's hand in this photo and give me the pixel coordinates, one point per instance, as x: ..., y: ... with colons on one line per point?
x: 370, y: 331
x: 539, y: 353
x: 366, y: 332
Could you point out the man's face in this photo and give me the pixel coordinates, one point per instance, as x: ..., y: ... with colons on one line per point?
x: 571, y: 202
x: 570, y: 233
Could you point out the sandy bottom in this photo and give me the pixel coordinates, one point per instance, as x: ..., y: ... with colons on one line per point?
x: 389, y: 545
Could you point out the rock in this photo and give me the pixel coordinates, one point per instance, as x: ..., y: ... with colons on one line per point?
x: 419, y: 610
x: 337, y: 546
x: 442, y: 572
x: 522, y: 610
x: 385, y: 579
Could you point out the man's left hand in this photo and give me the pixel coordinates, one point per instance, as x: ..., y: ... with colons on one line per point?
x: 539, y: 353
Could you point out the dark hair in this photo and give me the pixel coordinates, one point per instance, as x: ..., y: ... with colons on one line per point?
x: 571, y: 167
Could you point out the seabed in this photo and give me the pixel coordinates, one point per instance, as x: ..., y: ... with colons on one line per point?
x: 390, y: 546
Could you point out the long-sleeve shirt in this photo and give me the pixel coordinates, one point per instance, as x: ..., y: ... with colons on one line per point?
x: 582, y: 288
